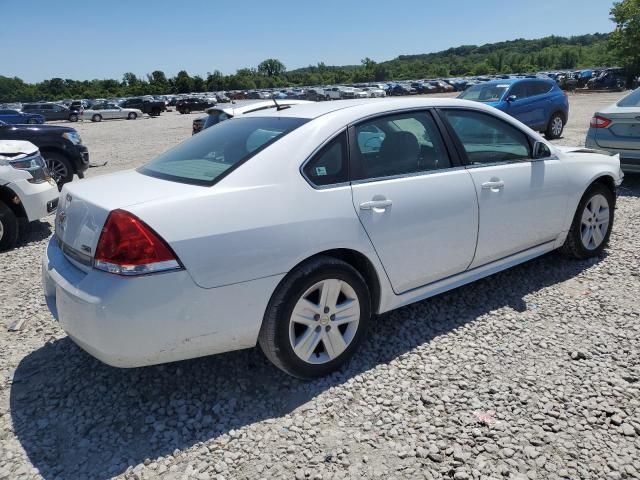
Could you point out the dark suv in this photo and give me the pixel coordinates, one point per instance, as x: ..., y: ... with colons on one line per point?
x: 193, y: 104
x: 51, y: 111
x: 148, y: 105
x: 60, y: 146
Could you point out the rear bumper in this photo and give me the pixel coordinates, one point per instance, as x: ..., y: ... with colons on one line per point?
x: 138, y: 321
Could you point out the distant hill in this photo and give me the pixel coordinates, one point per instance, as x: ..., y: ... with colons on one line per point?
x: 548, y: 53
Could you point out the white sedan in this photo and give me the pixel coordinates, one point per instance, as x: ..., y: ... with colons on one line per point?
x: 291, y: 227
x: 110, y: 111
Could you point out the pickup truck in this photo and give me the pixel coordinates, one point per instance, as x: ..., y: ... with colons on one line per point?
x: 27, y: 192
x: 148, y: 105
x: 60, y: 146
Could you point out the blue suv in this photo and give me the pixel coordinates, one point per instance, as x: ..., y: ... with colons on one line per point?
x: 537, y: 102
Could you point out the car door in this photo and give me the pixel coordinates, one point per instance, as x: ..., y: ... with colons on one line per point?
x: 520, y: 104
x: 112, y: 111
x: 11, y: 116
x: 416, y: 203
x: 522, y: 202
x: 58, y: 112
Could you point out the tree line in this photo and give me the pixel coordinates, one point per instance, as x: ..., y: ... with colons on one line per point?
x: 517, y: 56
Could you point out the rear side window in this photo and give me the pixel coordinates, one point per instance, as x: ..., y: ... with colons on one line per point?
x: 631, y: 100
x: 399, y: 144
x: 207, y: 157
x: 329, y: 165
x: 487, y: 139
x: 539, y: 88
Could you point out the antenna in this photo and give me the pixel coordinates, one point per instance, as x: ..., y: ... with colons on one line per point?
x: 278, y: 106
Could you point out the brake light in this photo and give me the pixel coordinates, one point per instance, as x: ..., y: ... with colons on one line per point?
x: 600, y: 122
x: 128, y: 246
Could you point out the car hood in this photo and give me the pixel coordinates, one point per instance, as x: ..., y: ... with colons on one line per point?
x: 38, y: 129
x: 10, y: 149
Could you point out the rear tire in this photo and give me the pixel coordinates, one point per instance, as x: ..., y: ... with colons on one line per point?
x: 59, y: 167
x: 592, y: 223
x: 155, y: 112
x: 327, y: 329
x: 96, y: 118
x: 555, y: 126
x: 8, y: 228
x: 32, y: 121
x: 73, y: 117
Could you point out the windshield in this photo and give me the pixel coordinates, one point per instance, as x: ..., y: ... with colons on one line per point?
x: 485, y: 93
x: 209, y: 156
x: 631, y: 100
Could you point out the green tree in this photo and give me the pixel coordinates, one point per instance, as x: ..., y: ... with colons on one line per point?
x: 271, y: 67
x: 183, y: 82
x: 625, y: 39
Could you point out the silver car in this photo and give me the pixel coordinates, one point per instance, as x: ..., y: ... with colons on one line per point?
x: 616, y: 129
x: 109, y: 111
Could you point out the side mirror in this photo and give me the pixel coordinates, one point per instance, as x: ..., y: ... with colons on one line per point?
x: 512, y: 98
x: 541, y: 150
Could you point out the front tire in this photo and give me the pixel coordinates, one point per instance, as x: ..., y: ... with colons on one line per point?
x: 316, y: 319
x: 96, y: 118
x: 73, y: 117
x: 8, y: 228
x: 132, y: 116
x: 59, y: 167
x: 555, y: 126
x: 32, y: 121
x: 592, y: 223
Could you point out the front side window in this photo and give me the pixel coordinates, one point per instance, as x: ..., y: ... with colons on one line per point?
x: 207, y: 157
x: 398, y: 145
x: 487, y: 139
x: 329, y: 166
x: 520, y: 91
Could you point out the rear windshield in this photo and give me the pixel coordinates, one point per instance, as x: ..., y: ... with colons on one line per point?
x: 485, y: 93
x: 631, y: 100
x: 207, y: 157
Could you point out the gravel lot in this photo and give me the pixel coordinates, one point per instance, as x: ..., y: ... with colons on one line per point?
x: 533, y: 373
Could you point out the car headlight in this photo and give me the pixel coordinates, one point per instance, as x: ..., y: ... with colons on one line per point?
x: 73, y: 137
x: 34, y: 164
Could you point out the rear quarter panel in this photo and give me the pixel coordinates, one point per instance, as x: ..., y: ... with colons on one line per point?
x: 261, y: 220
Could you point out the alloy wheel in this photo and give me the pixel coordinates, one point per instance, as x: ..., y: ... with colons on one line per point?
x: 1, y: 230
x: 556, y: 126
x: 595, y: 222
x: 58, y: 170
x: 324, y: 321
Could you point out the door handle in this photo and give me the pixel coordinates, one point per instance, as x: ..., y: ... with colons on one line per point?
x: 493, y: 185
x: 376, y: 205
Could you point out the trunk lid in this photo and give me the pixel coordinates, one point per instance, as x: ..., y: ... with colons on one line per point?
x: 85, y: 205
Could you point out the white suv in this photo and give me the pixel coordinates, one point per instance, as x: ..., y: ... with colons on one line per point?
x: 26, y: 189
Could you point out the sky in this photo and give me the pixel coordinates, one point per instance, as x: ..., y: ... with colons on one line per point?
x: 82, y: 39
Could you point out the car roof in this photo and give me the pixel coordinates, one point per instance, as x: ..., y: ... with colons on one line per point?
x: 511, y: 81
x: 361, y: 107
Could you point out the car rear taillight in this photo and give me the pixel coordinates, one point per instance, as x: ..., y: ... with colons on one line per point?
x: 600, y: 122
x: 128, y: 246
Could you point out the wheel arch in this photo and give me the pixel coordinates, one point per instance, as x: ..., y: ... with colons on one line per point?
x: 60, y: 151
x: 357, y: 260
x: 8, y: 197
